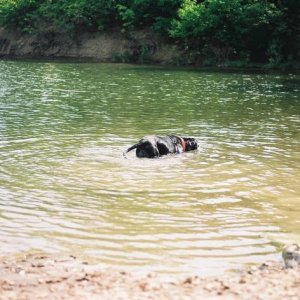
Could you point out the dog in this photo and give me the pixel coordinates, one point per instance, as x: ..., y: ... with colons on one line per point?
x: 152, y: 146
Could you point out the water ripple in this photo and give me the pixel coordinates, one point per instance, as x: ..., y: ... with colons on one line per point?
x: 65, y: 186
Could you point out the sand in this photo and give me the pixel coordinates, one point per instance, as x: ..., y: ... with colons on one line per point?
x: 52, y: 277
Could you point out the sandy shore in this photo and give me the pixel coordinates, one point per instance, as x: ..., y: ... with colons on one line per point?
x: 50, y: 277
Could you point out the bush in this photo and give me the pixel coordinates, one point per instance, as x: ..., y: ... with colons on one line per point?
x: 20, y: 14
x: 226, y: 29
x: 35, y: 15
x: 210, y: 31
x: 28, y: 15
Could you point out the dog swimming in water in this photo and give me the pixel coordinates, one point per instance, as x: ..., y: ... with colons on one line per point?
x: 152, y: 146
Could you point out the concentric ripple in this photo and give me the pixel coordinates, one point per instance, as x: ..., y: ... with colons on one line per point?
x: 65, y: 186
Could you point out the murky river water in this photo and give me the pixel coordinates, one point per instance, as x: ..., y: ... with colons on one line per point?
x: 65, y: 186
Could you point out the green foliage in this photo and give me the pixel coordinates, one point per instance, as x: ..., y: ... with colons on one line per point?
x: 154, y: 14
x: 89, y: 14
x: 39, y: 15
x: 226, y: 29
x: 210, y: 31
x: 284, y: 48
x: 126, y: 15
x: 18, y: 13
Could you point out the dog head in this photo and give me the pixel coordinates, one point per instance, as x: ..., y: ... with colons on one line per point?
x: 190, y: 144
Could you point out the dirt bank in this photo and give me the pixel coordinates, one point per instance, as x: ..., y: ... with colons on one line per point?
x: 49, y: 277
x: 140, y: 46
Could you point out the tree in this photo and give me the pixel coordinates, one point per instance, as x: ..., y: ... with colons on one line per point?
x: 226, y: 29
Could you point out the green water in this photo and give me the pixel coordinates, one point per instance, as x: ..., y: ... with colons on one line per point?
x: 65, y: 186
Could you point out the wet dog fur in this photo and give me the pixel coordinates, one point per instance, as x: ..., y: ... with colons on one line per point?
x: 152, y: 146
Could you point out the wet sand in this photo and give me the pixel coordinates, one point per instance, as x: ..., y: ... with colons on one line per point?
x: 52, y: 277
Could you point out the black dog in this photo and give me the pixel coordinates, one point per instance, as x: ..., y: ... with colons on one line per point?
x: 154, y: 146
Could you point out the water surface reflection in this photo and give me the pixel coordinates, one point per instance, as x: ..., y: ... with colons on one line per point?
x: 65, y: 186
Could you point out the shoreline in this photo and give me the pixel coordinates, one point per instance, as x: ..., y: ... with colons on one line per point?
x: 141, y: 47
x: 43, y: 276
x: 211, y: 69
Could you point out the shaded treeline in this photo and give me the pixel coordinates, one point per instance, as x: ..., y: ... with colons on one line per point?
x: 210, y: 32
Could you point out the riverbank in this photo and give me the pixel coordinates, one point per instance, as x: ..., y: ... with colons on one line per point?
x: 52, y: 277
x: 139, y: 46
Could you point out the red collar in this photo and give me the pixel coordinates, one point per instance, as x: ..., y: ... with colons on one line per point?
x: 182, y: 142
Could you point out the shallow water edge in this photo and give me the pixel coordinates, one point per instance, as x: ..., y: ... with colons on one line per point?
x: 44, y: 276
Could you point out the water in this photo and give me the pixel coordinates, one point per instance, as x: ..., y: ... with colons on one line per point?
x: 65, y: 186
